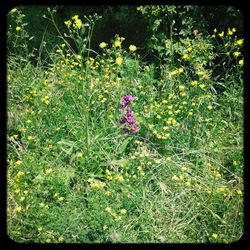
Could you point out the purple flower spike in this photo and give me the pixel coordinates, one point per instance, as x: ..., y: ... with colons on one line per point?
x: 126, y: 100
x: 128, y: 118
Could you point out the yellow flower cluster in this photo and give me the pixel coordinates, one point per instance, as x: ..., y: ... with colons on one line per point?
x: 118, y: 42
x: 96, y: 183
x: 132, y: 48
x: 77, y: 23
x: 117, y: 216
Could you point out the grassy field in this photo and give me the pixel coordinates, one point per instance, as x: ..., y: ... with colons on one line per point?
x: 105, y: 147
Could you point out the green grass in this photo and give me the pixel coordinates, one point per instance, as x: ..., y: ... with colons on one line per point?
x: 74, y: 177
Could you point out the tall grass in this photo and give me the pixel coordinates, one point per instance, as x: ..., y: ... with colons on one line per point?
x: 73, y: 176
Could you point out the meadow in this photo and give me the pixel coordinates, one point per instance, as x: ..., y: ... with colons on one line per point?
x: 106, y: 147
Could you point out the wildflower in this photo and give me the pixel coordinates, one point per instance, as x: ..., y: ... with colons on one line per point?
x: 129, y: 119
x: 241, y: 62
x: 209, y: 107
x: 108, y: 209
x: 126, y: 100
x: 18, y: 162
x: 119, y: 60
x: 239, y: 192
x: 188, y: 184
x: 236, y: 53
x: 185, y: 56
x: 103, y: 45
x: 181, y: 87
x: 18, y: 209
x: 75, y: 17
x: 61, y: 198
x: 189, y: 49
x: 48, y: 171
x: 132, y: 48
x: 18, y: 28
x: 194, y: 83
x: 110, y: 116
x: 117, y: 44
x: 221, y: 34
x: 175, y: 178
x: 221, y: 189
x: 234, y: 30
x: 202, y: 86
x: 13, y: 10
x: 215, y: 30
x: 68, y: 23
x: 214, y: 235
x: 229, y: 32
x: 184, y: 168
x: 123, y: 211
x: 30, y: 138
x: 158, y: 117
x: 61, y: 239
x: 180, y: 70
x: 240, y: 41
x: 78, y: 23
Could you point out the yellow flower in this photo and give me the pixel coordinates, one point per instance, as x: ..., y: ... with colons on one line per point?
x: 215, y: 236
x: 229, y: 32
x: 239, y: 192
x: 240, y: 41
x: 60, y: 239
x: 117, y: 44
x: 78, y: 23
x: 18, y: 209
x: 110, y: 116
x: 236, y: 53
x: 103, y: 45
x: 180, y: 70
x: 185, y: 56
x: 18, y: 162
x: 215, y: 30
x: 13, y: 10
x: 18, y: 28
x: 221, y: 34
x: 193, y: 83
x: 75, y: 17
x: 123, y: 211
x: 202, y: 86
x: 119, y: 60
x: 241, y: 62
x: 233, y: 29
x: 175, y: 178
x: 48, y: 171
x: 181, y: 87
x: 68, y: 23
x: 221, y: 189
x: 209, y: 107
x: 61, y: 198
x: 132, y: 48
x: 108, y: 209
x: 188, y: 184
x: 158, y: 117
x: 184, y: 168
